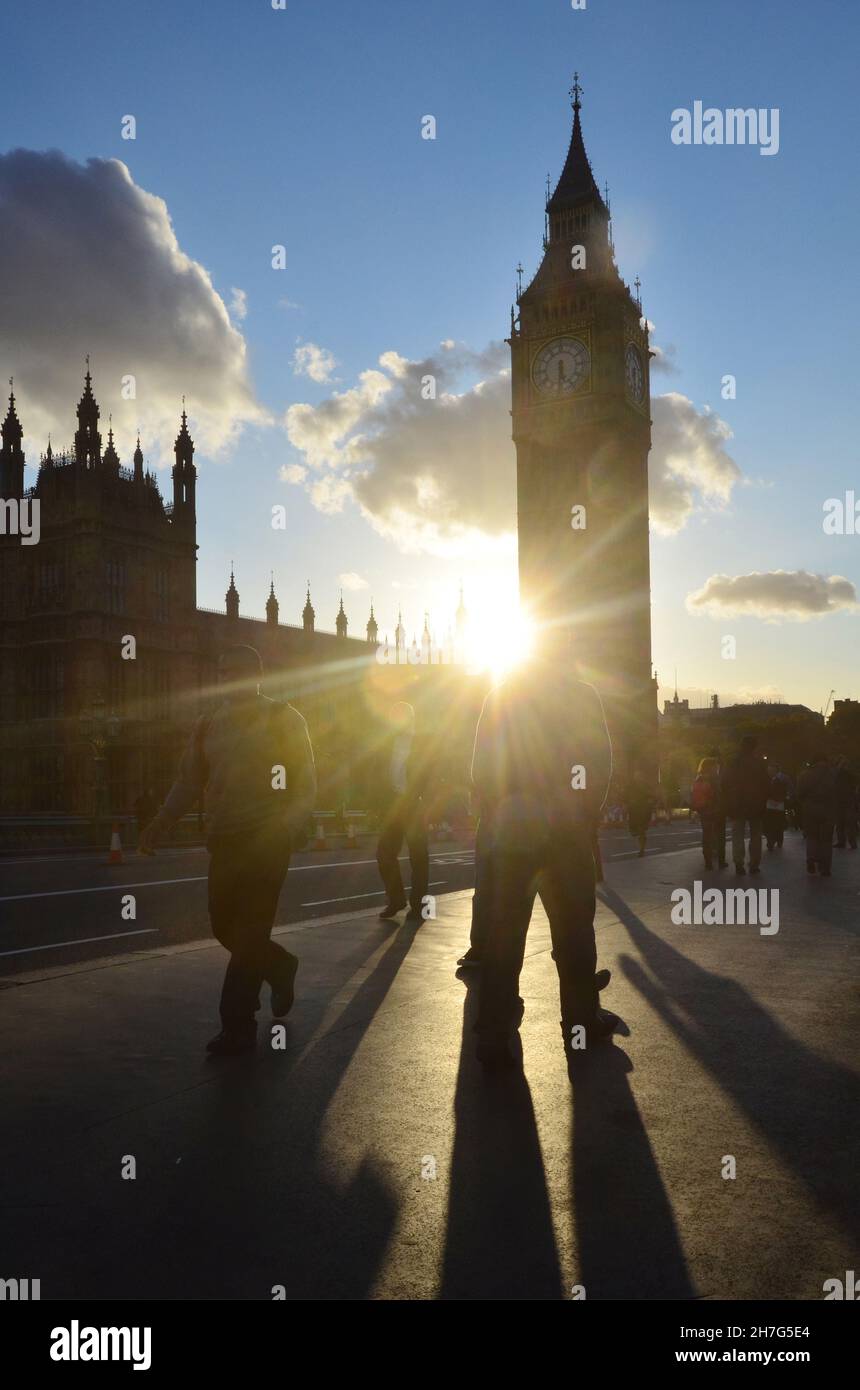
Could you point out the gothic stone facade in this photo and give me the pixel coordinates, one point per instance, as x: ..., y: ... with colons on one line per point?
x: 115, y: 560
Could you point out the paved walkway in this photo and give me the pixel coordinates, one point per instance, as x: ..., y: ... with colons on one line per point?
x: 371, y: 1158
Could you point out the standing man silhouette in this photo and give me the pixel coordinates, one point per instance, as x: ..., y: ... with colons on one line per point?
x: 402, y: 777
x: 252, y: 759
x: 745, y: 790
x: 817, y: 794
x: 542, y: 766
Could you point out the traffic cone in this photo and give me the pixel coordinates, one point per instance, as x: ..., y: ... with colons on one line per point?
x: 115, y: 855
x: 319, y: 842
x: 350, y: 836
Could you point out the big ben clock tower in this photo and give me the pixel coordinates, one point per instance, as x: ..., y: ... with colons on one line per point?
x: 582, y: 430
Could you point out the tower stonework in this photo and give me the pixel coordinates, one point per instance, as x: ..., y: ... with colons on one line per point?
x: 582, y: 431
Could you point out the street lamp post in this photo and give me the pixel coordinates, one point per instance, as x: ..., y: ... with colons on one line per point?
x: 99, y: 729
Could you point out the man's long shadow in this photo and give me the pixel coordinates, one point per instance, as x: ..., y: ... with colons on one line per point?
x: 499, y: 1241
x: 805, y: 1106
x: 270, y: 1211
x: 627, y: 1240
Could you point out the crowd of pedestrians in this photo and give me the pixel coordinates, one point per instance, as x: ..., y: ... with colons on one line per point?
x: 756, y: 799
x: 541, y: 773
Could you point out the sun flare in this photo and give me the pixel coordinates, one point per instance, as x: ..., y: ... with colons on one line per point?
x: 499, y: 639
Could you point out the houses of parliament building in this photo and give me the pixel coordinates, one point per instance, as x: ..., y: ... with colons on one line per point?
x: 115, y: 561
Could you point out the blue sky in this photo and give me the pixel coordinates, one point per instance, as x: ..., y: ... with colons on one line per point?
x: 302, y: 127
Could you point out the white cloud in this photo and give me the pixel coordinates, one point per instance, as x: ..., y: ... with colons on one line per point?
x: 90, y: 263
x: 689, y: 463
x: 329, y: 494
x: 293, y: 473
x: 238, y: 304
x: 778, y: 595
x: 439, y: 474
x: 663, y: 360
x: 433, y: 474
x: 353, y: 581
x: 316, y: 362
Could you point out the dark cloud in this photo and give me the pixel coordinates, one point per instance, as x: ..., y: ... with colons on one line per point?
x: 89, y: 262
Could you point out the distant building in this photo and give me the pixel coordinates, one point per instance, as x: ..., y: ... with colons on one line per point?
x: 678, y: 714
x: 676, y: 711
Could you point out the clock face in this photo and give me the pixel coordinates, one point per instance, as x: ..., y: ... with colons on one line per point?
x: 633, y: 373
x: 561, y: 367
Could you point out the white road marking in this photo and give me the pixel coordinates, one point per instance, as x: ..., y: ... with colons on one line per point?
x: 81, y: 941
x: 296, y: 869
x: 108, y: 888
x: 379, y: 893
x: 91, y: 856
x: 652, y: 854
x: 159, y: 883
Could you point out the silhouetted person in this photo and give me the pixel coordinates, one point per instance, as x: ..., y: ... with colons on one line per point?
x: 846, y: 806
x: 720, y: 820
x: 706, y: 801
x: 745, y: 789
x: 481, y: 898
x: 774, y: 815
x: 541, y: 766
x: 252, y: 758
x: 792, y: 809
x: 816, y: 792
x: 402, y: 783
x: 640, y: 809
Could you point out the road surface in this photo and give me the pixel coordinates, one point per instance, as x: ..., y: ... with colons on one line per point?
x: 65, y: 908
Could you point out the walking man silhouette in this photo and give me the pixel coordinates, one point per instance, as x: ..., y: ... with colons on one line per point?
x: 252, y: 759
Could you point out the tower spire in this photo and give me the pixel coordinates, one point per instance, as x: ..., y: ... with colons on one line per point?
x: 138, y: 461
x: 232, y: 596
x: 184, y: 474
x: 272, y: 604
x: 88, y: 441
x: 11, y: 453
x: 308, y: 614
x: 577, y: 182
x: 110, y: 457
x: 372, y: 627
x: 12, y: 421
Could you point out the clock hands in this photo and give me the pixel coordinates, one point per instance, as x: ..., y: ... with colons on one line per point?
x: 560, y: 367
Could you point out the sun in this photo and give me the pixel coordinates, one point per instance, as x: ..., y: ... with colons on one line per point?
x: 498, y: 639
